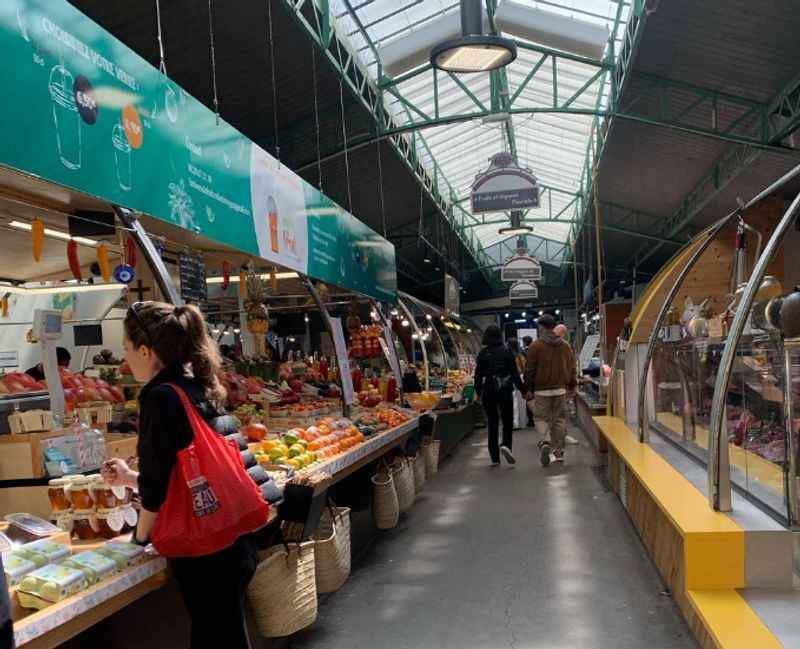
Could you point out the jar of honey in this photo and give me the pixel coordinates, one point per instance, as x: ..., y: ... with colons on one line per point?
x: 57, y: 493
x: 63, y: 519
x: 80, y: 493
x: 110, y: 522
x: 104, y: 495
x: 84, y: 525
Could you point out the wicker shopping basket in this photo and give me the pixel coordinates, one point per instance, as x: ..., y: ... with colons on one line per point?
x: 283, y: 591
x: 418, y: 463
x: 431, y: 451
x: 332, y: 549
x: 403, y: 474
x: 385, y: 507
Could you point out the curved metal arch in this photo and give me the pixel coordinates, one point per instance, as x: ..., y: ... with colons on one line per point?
x: 719, y: 493
x: 711, y: 234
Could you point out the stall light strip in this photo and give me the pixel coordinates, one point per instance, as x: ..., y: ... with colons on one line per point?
x: 64, y: 288
x: 235, y: 278
x: 55, y: 234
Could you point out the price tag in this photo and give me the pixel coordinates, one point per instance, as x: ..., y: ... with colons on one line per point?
x: 9, y: 359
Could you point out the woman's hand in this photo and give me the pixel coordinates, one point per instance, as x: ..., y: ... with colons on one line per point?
x: 117, y: 473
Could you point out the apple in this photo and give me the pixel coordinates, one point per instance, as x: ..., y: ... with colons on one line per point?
x: 255, y: 432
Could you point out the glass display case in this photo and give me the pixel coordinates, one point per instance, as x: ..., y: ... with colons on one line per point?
x: 687, y: 360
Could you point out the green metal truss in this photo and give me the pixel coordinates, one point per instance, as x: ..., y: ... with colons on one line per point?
x: 784, y: 119
x: 314, y: 17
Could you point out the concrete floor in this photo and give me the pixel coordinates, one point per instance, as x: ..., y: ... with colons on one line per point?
x: 496, y: 557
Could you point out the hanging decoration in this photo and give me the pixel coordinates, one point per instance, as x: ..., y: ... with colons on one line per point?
x: 226, y: 275
x: 4, y: 307
x: 273, y: 278
x: 72, y: 258
x: 131, y: 252
x: 124, y: 274
x: 242, y: 283
x: 37, y: 236
x: 256, y: 311
x: 102, y: 261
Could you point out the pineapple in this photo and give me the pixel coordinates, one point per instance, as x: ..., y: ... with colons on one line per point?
x: 256, y: 310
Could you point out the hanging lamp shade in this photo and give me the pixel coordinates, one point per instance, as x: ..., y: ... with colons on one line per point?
x: 516, y: 226
x: 473, y: 51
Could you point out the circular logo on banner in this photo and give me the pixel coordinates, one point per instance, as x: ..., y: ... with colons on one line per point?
x: 85, y: 99
x: 132, y: 124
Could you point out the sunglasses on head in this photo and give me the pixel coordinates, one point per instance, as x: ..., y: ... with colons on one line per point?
x: 134, y: 309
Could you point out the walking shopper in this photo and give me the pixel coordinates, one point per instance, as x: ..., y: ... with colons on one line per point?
x: 496, y: 376
x: 520, y: 405
x: 550, y: 374
x: 527, y: 341
x: 206, y: 532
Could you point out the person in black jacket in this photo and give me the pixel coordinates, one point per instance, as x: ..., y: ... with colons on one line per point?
x: 496, y: 376
x: 167, y: 344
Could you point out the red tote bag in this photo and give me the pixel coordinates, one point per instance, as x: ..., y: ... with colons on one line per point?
x: 211, y: 500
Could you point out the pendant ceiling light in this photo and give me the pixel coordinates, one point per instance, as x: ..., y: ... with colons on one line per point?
x: 473, y: 51
x: 516, y: 226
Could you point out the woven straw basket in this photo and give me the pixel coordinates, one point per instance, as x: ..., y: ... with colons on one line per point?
x: 332, y: 549
x: 403, y: 474
x: 283, y: 591
x: 431, y: 452
x: 419, y: 471
x: 385, y: 507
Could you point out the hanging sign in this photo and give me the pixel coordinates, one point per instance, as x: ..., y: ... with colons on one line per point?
x: 91, y: 114
x: 523, y: 290
x: 504, y: 186
x: 521, y: 267
x: 343, y: 359
x: 452, y: 295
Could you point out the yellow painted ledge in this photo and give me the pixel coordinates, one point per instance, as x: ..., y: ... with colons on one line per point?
x: 713, y: 542
x: 730, y: 620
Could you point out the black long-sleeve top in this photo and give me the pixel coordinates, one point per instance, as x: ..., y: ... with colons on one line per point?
x: 495, y: 361
x: 164, y: 430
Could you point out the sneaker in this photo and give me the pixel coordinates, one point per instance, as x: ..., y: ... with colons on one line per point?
x: 495, y: 463
x: 544, y: 448
x: 508, y: 455
x: 559, y: 456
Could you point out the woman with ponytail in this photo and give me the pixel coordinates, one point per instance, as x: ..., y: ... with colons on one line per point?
x: 169, y: 349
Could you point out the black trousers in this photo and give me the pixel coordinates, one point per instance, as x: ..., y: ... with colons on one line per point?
x: 213, y: 588
x: 499, y: 406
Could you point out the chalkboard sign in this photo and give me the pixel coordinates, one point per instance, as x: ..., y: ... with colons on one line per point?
x: 192, y: 271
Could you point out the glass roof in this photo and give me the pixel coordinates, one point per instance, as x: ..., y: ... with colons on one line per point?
x: 554, y: 145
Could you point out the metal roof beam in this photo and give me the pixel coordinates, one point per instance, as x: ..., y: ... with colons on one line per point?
x: 783, y: 119
x: 353, y: 74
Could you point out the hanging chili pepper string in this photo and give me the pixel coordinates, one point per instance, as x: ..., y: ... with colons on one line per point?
x: 274, y: 86
x: 213, y: 59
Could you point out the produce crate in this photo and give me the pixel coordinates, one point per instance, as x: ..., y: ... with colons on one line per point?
x: 96, y: 414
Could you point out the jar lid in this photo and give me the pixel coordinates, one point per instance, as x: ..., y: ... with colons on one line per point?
x: 84, y: 513
x: 59, y: 482
x: 80, y: 481
x: 67, y: 513
x: 96, y: 478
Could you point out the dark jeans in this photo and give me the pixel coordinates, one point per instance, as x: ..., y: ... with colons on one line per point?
x: 499, y: 406
x: 213, y: 589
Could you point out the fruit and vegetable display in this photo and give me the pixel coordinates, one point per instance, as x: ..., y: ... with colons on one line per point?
x: 78, y: 389
x: 328, y: 437
x: 365, y: 341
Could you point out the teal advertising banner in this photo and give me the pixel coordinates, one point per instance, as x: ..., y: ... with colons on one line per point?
x: 82, y: 110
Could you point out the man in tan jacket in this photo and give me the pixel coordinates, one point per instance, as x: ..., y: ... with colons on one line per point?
x: 550, y: 373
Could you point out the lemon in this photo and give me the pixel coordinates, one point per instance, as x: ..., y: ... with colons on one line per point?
x: 296, y: 450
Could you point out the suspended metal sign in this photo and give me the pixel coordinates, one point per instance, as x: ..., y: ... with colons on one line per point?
x: 504, y: 186
x: 523, y: 291
x: 521, y: 267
